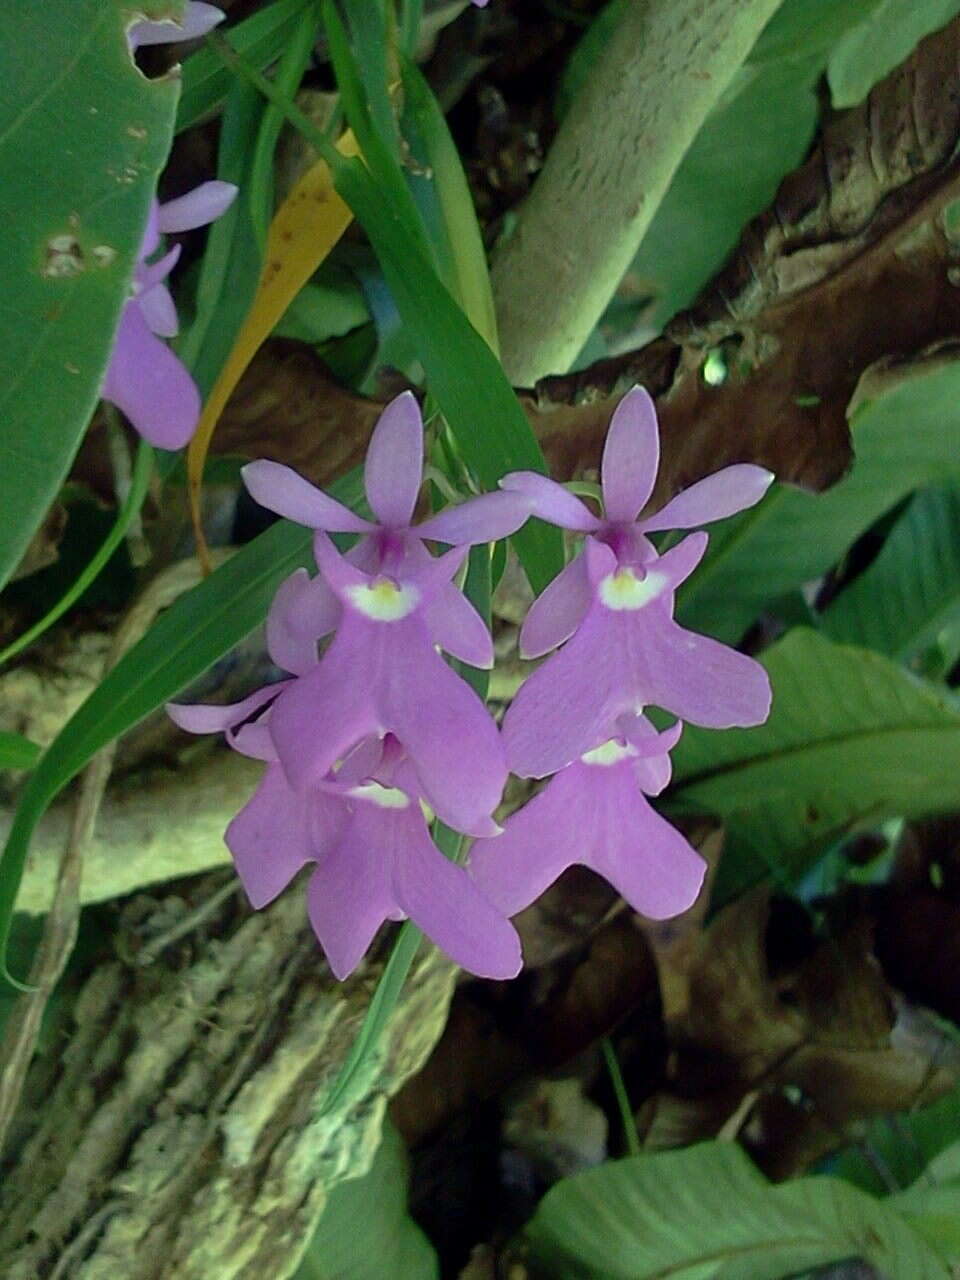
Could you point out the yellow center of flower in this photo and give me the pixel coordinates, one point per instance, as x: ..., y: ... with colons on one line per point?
x: 385, y: 797
x: 608, y: 753
x: 383, y: 600
x: 624, y: 590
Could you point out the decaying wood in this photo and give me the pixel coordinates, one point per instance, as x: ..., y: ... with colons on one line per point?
x: 179, y: 1135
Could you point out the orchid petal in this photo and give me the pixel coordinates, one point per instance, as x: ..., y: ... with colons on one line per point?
x: 151, y: 232
x: 152, y: 273
x: 204, y: 718
x: 427, y: 576
x: 198, y: 19
x: 653, y: 774
x: 677, y: 564
x: 362, y: 763
x: 321, y: 715
x: 450, y: 736
x: 349, y: 897
x: 713, y: 498
x: 196, y: 208
x: 550, y: 501
x: 557, y: 611
x: 442, y: 899
x: 303, y: 611
x: 274, y: 835
x: 458, y: 629
x: 159, y: 311
x: 280, y: 489
x: 636, y: 729
x: 393, y: 471
x: 147, y: 382
x: 631, y: 456
x: 485, y: 518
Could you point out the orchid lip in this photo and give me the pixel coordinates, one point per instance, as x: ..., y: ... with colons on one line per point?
x: 384, y: 797
x: 609, y: 753
x: 624, y: 591
x: 384, y: 600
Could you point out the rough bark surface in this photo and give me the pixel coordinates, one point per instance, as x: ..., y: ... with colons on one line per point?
x: 179, y: 1134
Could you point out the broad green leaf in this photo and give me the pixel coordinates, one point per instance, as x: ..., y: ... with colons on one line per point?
x: 195, y: 631
x: 365, y: 1232
x: 934, y: 1213
x: 869, y: 50
x: 83, y: 135
x: 802, y: 28
x: 902, y: 1146
x: 261, y: 38
x: 851, y: 736
x: 907, y: 603
x: 17, y: 752
x: 906, y: 436
x: 707, y: 1212
x: 330, y: 306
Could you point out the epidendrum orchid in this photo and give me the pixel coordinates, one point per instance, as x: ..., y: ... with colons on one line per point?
x: 198, y: 18
x: 365, y: 737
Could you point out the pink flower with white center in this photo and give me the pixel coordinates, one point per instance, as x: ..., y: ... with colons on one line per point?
x: 144, y: 378
x: 364, y: 829
x: 307, y: 609
x: 616, y: 601
x: 594, y: 813
x: 198, y: 18
x: 382, y: 674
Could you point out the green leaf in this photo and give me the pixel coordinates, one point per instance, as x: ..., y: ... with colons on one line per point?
x: 83, y: 135
x: 851, y: 736
x: 17, y: 752
x: 330, y: 306
x: 906, y: 436
x: 934, y: 1213
x: 866, y: 53
x: 261, y: 39
x: 907, y: 602
x: 390, y: 1242
x: 707, y: 1212
x: 193, y: 633
x: 902, y: 1146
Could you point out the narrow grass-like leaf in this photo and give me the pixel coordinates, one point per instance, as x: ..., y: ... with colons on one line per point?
x: 906, y: 436
x: 852, y: 736
x: 908, y: 601
x: 17, y: 752
x: 83, y: 135
x: 261, y: 38
x: 707, y: 1211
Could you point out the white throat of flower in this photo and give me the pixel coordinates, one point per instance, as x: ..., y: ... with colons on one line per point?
x: 623, y: 590
x: 385, y: 797
x: 384, y: 600
x: 608, y: 753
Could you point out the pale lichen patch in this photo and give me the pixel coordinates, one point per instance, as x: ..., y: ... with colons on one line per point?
x: 63, y: 257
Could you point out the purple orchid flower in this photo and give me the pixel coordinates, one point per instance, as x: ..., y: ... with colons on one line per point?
x: 616, y: 601
x: 198, y: 18
x: 309, y: 609
x: 382, y: 674
x: 364, y: 829
x: 594, y: 813
x: 144, y: 378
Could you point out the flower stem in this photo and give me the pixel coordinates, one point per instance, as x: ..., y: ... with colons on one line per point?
x: 139, y: 481
x: 620, y: 1093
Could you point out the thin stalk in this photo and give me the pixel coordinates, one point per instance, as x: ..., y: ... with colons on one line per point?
x: 620, y: 1093
x: 139, y: 482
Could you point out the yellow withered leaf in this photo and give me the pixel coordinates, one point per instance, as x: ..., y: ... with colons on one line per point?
x: 303, y: 232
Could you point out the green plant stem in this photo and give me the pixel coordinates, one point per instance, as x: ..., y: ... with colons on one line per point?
x: 664, y: 70
x: 139, y: 481
x: 623, y: 1102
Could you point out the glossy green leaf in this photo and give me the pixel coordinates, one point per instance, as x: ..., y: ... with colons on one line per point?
x: 897, y: 1149
x: 851, y: 737
x: 934, y: 1213
x: 707, y: 1212
x: 328, y: 307
x: 875, y: 46
x: 907, y: 603
x: 261, y: 38
x: 390, y: 1244
x: 188, y: 638
x: 80, y: 151
x: 905, y: 437
x: 17, y: 752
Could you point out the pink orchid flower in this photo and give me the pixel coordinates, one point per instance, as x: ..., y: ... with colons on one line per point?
x: 594, y: 813
x: 382, y: 674
x: 307, y: 609
x: 616, y: 601
x: 144, y: 378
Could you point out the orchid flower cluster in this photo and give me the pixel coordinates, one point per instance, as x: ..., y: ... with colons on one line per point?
x: 144, y: 378
x: 367, y: 741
